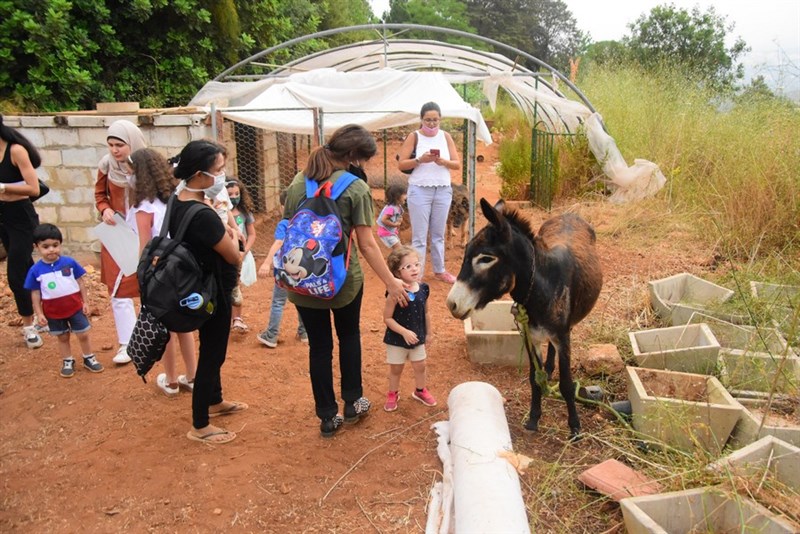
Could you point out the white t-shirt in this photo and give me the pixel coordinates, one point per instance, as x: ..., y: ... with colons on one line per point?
x: 156, y: 207
x: 431, y: 174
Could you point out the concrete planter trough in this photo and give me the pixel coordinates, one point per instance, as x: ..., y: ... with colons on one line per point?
x: 707, y: 509
x: 690, y: 348
x: 678, y: 297
x: 769, y: 454
x: 780, y: 423
x: 782, y: 302
x: 492, y: 336
x: 752, y: 356
x: 683, y: 410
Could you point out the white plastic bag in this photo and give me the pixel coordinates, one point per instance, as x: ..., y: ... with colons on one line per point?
x: 248, y: 274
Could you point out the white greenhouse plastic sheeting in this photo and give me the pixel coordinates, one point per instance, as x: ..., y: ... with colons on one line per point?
x: 375, y: 100
x: 388, y: 98
x: 480, y: 490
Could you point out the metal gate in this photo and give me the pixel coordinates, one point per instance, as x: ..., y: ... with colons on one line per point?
x: 543, y: 167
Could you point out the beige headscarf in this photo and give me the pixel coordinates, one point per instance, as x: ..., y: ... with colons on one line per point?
x: 131, y: 135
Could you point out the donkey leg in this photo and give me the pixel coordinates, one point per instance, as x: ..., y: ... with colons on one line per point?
x: 550, y: 362
x: 536, y: 406
x: 536, y: 391
x: 567, y: 387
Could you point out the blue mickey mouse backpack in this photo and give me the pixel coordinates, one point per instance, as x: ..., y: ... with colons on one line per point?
x: 313, y: 259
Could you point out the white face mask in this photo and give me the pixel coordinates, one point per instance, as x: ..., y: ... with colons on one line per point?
x: 213, y: 190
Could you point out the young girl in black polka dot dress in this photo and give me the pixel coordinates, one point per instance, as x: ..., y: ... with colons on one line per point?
x: 407, y: 328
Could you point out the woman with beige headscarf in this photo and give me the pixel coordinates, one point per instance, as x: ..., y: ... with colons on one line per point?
x: 112, y: 193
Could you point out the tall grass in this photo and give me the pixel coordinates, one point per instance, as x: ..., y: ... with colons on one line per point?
x: 733, y: 166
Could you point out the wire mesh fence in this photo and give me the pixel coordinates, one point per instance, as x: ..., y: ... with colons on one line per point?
x: 267, y: 161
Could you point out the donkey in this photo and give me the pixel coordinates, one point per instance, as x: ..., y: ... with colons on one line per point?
x: 555, y: 275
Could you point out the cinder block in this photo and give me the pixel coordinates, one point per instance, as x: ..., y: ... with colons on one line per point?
x: 58, y: 137
x: 80, y: 236
x: 50, y: 157
x: 169, y: 136
x: 47, y: 214
x: 37, y: 121
x: 54, y: 198
x: 34, y: 135
x: 76, y: 214
x: 75, y: 177
x: 172, y: 120
x: 81, y: 157
x: 93, y: 137
x: 85, y: 121
x: 79, y: 195
x: 109, y: 119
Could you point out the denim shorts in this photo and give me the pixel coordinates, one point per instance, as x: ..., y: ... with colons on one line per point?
x: 77, y: 323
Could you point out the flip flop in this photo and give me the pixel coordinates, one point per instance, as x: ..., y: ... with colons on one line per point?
x: 235, y: 407
x: 206, y: 438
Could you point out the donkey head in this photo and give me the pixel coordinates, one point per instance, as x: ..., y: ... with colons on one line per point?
x: 488, y: 270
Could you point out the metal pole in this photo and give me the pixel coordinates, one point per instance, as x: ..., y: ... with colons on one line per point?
x: 213, y: 121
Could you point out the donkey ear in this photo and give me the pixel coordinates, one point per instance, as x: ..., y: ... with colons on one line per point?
x: 496, y: 218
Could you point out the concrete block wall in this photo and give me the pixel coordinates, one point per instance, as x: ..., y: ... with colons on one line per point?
x: 72, y: 145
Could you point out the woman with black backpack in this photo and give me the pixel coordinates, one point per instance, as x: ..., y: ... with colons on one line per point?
x: 200, y: 167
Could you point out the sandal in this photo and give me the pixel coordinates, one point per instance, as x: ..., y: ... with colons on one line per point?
x: 234, y: 407
x: 226, y: 437
x: 185, y: 384
x: 238, y: 324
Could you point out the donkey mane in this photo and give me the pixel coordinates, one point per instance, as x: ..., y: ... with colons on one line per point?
x: 516, y: 219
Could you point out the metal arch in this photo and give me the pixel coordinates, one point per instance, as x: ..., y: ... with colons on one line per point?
x: 382, y: 28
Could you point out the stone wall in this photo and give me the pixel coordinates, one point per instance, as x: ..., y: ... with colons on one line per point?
x: 71, y: 145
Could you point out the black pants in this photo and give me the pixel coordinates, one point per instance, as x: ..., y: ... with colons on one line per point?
x: 213, y: 348
x: 17, y: 221
x: 320, y: 354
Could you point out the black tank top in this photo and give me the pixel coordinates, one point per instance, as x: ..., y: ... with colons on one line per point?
x: 9, y: 173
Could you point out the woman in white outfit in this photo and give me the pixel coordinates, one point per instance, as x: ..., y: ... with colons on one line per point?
x: 112, y: 194
x: 429, y: 189
x: 152, y: 187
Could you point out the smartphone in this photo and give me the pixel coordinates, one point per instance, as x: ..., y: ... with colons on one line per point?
x: 435, y: 152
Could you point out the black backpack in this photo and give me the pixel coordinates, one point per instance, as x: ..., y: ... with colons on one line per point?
x: 172, y: 284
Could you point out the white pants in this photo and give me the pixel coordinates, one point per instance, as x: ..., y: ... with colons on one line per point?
x: 124, y: 318
x: 428, y: 208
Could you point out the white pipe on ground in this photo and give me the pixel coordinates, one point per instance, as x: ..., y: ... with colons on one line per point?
x: 486, y: 490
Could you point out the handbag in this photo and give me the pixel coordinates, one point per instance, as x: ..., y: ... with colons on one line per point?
x: 249, y: 273
x: 148, y: 341
x: 413, y: 154
x: 43, y: 190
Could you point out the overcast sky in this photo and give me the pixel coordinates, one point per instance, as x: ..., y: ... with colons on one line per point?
x: 770, y: 27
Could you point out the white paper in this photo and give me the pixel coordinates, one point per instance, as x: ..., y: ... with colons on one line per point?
x: 121, y: 242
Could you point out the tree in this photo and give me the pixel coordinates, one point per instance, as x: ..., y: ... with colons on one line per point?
x: 450, y: 14
x: 691, y: 41
x: 70, y: 54
x: 545, y: 29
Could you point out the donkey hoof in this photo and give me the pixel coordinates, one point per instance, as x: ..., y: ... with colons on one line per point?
x: 532, y: 426
x: 575, y: 435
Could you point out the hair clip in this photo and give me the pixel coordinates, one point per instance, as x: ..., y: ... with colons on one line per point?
x: 326, y: 146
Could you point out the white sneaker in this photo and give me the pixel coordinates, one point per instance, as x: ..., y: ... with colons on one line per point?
x: 121, y: 357
x: 161, y: 382
x: 185, y: 384
x: 32, y: 338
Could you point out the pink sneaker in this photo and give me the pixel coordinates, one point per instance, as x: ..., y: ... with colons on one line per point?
x: 391, y: 401
x: 424, y: 397
x: 445, y: 277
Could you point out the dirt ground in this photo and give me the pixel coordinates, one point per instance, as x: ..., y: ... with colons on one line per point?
x: 105, y: 452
